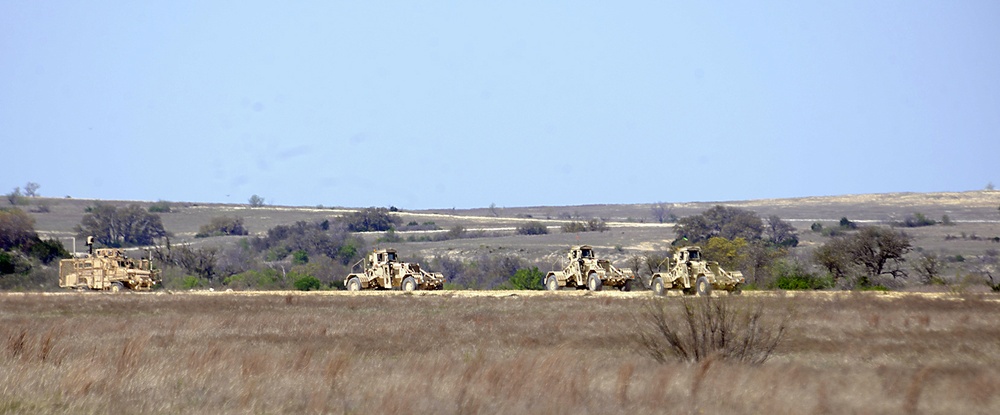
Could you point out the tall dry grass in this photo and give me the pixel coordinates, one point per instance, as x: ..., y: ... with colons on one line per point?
x: 97, y: 353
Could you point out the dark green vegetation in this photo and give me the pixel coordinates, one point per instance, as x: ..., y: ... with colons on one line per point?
x: 864, y: 242
x: 26, y: 260
x: 451, y: 353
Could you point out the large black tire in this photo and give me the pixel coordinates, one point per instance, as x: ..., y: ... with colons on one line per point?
x: 117, y: 287
x: 354, y: 284
x: 627, y: 286
x: 594, y: 283
x: 702, y: 286
x: 737, y: 290
x: 657, y: 286
x: 409, y: 284
x: 551, y: 283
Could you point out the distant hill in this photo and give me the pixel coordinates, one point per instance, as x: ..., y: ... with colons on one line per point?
x: 632, y: 227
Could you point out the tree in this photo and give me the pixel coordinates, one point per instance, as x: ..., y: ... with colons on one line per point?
x: 929, y: 267
x: 729, y: 254
x: 532, y: 228
x: 780, y: 233
x: 656, y: 262
x: 874, y: 250
x: 111, y: 226
x: 160, y: 206
x: 31, y: 189
x: 16, y: 198
x: 222, y: 225
x: 256, y: 201
x: 527, y: 279
x: 722, y: 221
x: 17, y: 228
x: 370, y: 220
x: 660, y: 211
x: 201, y: 262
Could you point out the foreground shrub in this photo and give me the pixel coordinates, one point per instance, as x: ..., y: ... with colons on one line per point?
x: 720, y: 327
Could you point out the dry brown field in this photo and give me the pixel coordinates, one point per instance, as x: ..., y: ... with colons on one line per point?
x: 449, y: 352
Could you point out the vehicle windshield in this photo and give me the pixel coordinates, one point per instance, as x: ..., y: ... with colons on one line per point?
x: 390, y: 256
x: 585, y: 254
x: 694, y: 255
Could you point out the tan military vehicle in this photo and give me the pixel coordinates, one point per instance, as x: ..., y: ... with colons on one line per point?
x: 382, y: 270
x: 694, y: 275
x: 585, y: 270
x: 107, y: 269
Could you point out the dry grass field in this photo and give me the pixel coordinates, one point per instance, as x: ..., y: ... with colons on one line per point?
x: 455, y: 352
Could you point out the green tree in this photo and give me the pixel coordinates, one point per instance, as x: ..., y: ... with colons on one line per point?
x: 527, y: 279
x: 307, y: 283
x: 722, y: 221
x: 300, y: 257
x: 871, y: 252
x: 256, y: 201
x: 730, y: 254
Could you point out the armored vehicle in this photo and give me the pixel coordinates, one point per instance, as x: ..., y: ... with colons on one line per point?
x: 585, y: 270
x: 382, y: 270
x: 107, y: 269
x: 694, y: 275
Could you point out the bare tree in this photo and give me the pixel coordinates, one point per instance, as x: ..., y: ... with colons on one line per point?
x: 31, y: 189
x: 929, y: 267
x: 779, y: 232
x: 112, y: 226
x: 987, y: 267
x: 660, y: 211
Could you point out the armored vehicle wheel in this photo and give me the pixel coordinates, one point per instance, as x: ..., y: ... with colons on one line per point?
x: 594, y: 283
x: 117, y: 287
x: 409, y: 284
x: 703, y: 287
x: 737, y: 290
x: 354, y: 284
x: 627, y: 286
x: 551, y: 283
x: 657, y: 286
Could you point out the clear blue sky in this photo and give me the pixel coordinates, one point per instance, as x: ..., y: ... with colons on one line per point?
x: 463, y: 104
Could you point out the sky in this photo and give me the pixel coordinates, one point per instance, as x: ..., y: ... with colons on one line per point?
x: 463, y: 104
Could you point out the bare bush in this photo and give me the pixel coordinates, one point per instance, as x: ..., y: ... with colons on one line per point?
x: 727, y: 328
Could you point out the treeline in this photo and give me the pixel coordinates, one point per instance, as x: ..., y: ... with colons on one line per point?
x: 317, y: 255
